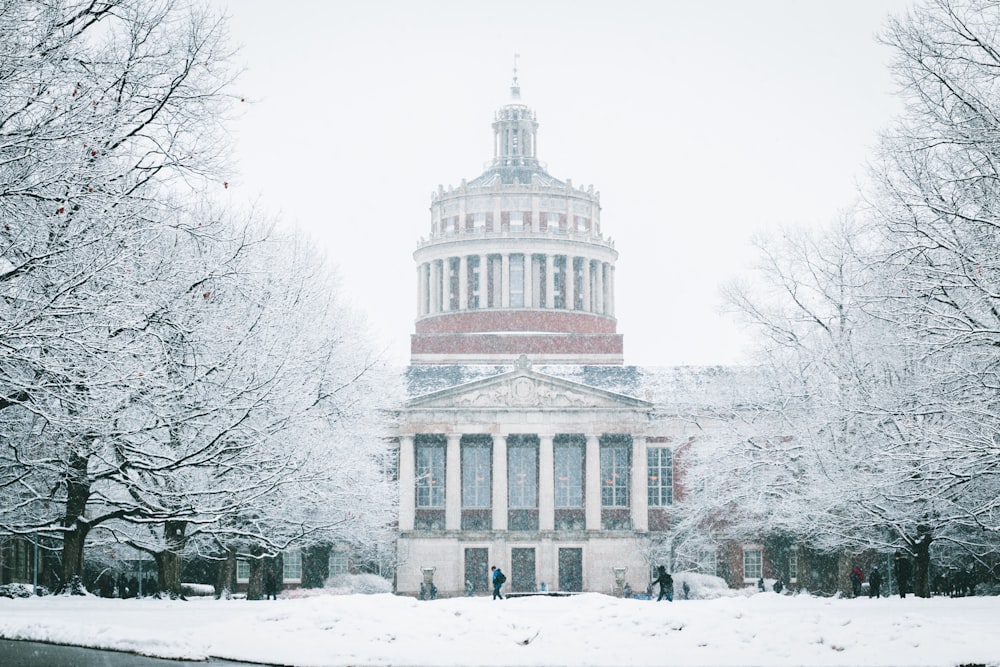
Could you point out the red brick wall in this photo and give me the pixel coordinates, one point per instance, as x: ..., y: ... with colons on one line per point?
x: 484, y: 321
x: 516, y: 344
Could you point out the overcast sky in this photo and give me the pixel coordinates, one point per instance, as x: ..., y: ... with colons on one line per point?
x: 701, y: 123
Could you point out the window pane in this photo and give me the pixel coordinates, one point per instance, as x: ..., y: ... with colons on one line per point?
x: 516, y: 221
x: 242, y: 570
x: 476, y: 461
x: 661, y: 476
x: 751, y: 564
x: 430, y: 475
x: 614, y: 475
x: 568, y: 470
x: 337, y: 563
x: 522, y: 474
x: 291, y: 566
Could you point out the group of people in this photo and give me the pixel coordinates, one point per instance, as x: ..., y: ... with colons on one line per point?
x: 108, y: 586
x: 901, y: 572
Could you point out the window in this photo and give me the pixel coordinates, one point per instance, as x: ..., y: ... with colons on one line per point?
x: 614, y: 475
x: 337, y: 562
x: 552, y: 221
x: 517, y: 281
x: 476, y: 463
x: 450, y: 225
x: 661, y: 476
x: 568, y: 470
x: 291, y: 566
x: 752, y: 565
x: 522, y: 473
x: 242, y: 571
x: 793, y: 566
x: 430, y: 474
x: 516, y: 221
x: 581, y: 223
x: 478, y: 222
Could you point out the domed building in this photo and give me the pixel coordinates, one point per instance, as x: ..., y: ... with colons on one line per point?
x: 525, y: 443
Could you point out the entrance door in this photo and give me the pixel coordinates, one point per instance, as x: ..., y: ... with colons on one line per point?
x: 571, y: 570
x: 477, y: 569
x: 522, y: 570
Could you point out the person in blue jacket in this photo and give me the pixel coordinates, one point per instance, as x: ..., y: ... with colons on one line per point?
x: 498, y: 580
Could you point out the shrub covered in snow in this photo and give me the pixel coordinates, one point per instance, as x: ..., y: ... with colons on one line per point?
x: 367, y: 584
x: 701, y: 587
x: 20, y: 591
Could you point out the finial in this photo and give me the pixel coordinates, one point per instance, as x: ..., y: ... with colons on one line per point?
x: 515, y: 89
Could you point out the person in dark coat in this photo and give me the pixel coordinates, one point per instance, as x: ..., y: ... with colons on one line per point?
x: 666, y: 583
x: 498, y: 578
x: 874, y: 583
x: 270, y: 585
x: 901, y: 570
x: 856, y: 578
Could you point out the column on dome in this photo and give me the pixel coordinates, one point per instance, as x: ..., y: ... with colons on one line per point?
x: 435, y: 286
x: 406, y: 473
x: 640, y: 478
x: 500, y: 482
x: 550, y: 281
x: 453, y: 483
x: 463, y: 282
x: 505, y: 280
x: 587, y: 306
x: 599, y: 288
x: 570, y: 274
x: 592, y: 483
x: 546, y: 484
x: 484, y: 283
x: 446, y: 284
x: 611, y: 290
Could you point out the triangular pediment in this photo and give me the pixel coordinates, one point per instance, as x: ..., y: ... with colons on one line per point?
x: 524, y: 388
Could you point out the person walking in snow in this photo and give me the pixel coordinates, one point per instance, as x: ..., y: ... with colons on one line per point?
x: 270, y: 585
x: 901, y: 570
x: 874, y: 583
x: 666, y: 583
x: 498, y: 580
x: 856, y: 578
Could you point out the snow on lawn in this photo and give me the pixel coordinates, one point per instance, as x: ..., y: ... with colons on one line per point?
x: 588, y: 629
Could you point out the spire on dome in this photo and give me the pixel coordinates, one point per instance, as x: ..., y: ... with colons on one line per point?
x: 515, y: 88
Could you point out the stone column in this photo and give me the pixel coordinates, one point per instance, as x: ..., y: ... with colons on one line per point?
x: 570, y: 283
x: 529, y: 292
x: 611, y: 290
x: 434, y: 291
x: 500, y: 482
x: 446, y: 284
x: 484, y: 282
x: 406, y: 473
x: 505, y: 280
x: 599, y: 288
x: 550, y: 281
x: 592, y: 484
x: 546, y: 484
x: 640, y: 478
x: 587, y: 273
x: 463, y: 282
x: 453, y: 483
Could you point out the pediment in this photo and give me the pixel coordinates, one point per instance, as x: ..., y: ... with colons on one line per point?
x: 525, y: 389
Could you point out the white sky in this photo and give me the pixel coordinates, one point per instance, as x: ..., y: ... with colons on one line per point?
x: 764, y: 629
x: 700, y: 123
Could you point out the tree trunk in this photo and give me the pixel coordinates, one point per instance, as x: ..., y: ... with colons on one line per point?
x: 922, y: 567
x: 844, y: 574
x: 75, y: 523
x: 170, y: 562
x: 255, y: 587
x: 227, y: 572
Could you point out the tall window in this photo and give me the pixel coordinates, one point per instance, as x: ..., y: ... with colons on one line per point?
x: 430, y: 474
x: 291, y: 566
x: 752, y: 565
x: 517, y: 281
x: 478, y: 221
x: 476, y: 462
x: 614, y: 475
x: 559, y: 282
x: 793, y: 566
x: 242, y: 571
x: 568, y: 470
x: 661, y: 476
x: 474, y: 282
x: 522, y: 473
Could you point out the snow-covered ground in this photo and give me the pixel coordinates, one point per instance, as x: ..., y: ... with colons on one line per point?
x: 588, y: 629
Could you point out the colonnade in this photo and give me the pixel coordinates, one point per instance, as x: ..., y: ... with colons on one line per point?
x: 638, y: 499
x: 486, y: 281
